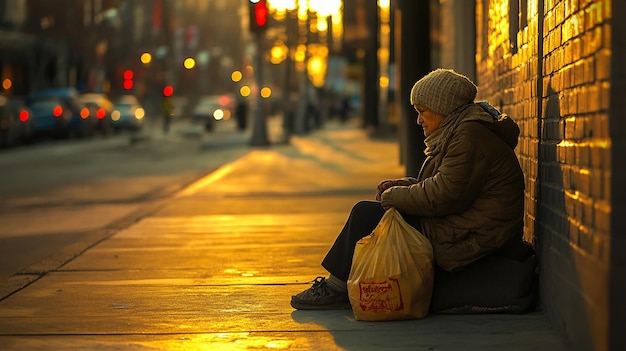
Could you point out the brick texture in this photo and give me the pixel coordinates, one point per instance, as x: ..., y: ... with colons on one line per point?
x: 554, y: 77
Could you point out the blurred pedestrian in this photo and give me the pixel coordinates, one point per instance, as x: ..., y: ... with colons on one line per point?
x: 468, y: 197
x: 290, y: 108
x: 167, y: 110
x: 344, y: 108
x: 241, y: 113
x: 313, y: 110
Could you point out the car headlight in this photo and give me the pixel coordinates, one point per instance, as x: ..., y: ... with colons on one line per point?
x: 139, y: 113
x: 218, y: 114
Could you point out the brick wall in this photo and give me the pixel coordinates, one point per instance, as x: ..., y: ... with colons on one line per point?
x: 550, y: 69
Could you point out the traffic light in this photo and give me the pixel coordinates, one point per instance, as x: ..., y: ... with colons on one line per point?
x: 168, y: 90
x: 128, y: 79
x: 258, y: 15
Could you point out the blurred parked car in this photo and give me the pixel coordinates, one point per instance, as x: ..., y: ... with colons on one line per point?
x: 127, y: 114
x: 101, y: 107
x: 15, y: 122
x: 59, y: 112
x: 212, y: 108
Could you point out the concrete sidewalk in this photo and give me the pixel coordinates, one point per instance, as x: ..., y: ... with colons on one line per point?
x: 214, y: 267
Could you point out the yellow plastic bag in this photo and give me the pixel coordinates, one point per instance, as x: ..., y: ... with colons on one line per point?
x: 392, y: 272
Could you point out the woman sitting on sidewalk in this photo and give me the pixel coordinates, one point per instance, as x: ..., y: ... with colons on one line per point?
x: 468, y: 199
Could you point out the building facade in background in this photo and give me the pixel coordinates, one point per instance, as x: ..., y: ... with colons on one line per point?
x: 89, y: 44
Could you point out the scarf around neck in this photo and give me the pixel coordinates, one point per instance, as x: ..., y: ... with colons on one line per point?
x: 437, y: 139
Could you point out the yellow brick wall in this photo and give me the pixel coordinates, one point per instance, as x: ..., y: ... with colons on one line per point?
x: 552, y: 75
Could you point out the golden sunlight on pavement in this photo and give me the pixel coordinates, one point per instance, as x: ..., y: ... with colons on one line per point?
x: 229, y: 342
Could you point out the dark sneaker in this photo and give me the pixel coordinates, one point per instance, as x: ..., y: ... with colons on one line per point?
x: 320, y: 297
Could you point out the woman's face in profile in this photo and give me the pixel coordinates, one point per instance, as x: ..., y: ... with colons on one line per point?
x: 428, y: 119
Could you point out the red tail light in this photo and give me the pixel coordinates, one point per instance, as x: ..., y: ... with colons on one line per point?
x: 101, y: 113
x: 84, y: 113
x: 224, y: 100
x: 57, y: 111
x: 24, y: 116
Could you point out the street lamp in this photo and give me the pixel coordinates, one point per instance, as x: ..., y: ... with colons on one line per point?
x: 325, y: 9
x: 280, y: 8
x: 317, y: 64
x: 279, y: 52
x: 310, y: 49
x: 383, y: 59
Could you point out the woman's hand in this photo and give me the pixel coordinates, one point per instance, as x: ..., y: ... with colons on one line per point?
x: 388, y: 183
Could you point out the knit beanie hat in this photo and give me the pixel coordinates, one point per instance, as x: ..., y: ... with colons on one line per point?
x: 443, y: 91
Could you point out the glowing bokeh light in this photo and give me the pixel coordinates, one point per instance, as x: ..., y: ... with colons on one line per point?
x: 189, y: 63
x: 7, y: 83
x: 57, y: 111
x: 140, y: 113
x: 245, y: 91
x: 84, y: 113
x: 266, y: 92
x: 218, y: 114
x: 236, y: 76
x: 128, y: 74
x: 146, y: 58
x: 101, y: 113
x: 24, y: 115
x: 168, y: 90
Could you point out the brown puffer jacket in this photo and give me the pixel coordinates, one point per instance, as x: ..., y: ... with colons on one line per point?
x: 471, y: 195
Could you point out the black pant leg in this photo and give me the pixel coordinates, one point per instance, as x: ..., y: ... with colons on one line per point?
x: 363, y: 218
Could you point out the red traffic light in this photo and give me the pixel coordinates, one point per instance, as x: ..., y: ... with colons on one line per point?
x: 128, y: 84
x: 258, y: 15
x: 168, y: 90
x: 128, y: 74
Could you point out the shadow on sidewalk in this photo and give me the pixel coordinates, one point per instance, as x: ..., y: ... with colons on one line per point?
x: 479, y: 332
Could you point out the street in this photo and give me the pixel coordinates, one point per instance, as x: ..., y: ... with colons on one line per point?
x: 57, y: 197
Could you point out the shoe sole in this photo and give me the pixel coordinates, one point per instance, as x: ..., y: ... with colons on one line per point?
x: 334, y: 306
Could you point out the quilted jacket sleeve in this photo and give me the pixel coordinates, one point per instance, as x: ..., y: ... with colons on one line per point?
x: 456, y: 182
